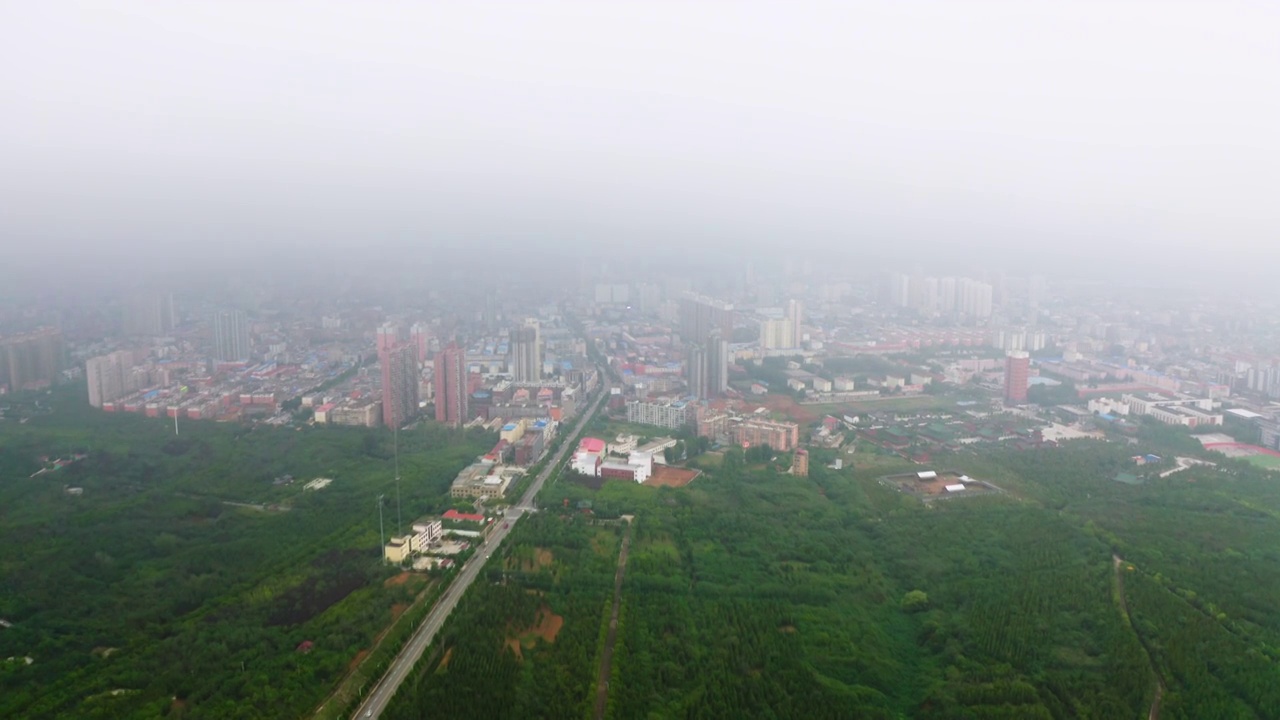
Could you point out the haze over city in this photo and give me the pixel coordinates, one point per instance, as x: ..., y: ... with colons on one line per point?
x: 1000, y: 134
x: 624, y: 361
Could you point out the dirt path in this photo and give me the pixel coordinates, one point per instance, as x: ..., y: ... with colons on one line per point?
x: 606, y: 657
x: 1117, y: 562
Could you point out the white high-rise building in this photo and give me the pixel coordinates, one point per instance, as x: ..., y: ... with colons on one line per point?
x: 795, y: 312
x: 776, y: 334
x: 109, y: 377
x: 231, y: 336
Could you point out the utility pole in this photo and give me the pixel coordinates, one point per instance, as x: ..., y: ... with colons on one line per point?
x: 382, y: 548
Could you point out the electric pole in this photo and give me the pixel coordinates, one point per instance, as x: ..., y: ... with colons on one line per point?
x: 382, y: 548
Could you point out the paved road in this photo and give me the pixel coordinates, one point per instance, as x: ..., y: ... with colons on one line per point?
x: 378, y: 699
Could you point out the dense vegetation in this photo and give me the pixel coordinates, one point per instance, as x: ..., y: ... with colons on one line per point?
x: 183, y: 581
x: 750, y: 593
x: 756, y: 594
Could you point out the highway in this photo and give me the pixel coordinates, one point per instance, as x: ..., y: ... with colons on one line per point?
x: 402, y: 665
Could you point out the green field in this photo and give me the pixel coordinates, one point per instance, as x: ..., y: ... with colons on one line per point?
x: 1267, y: 462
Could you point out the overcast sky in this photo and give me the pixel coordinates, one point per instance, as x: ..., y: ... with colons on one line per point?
x: 150, y: 131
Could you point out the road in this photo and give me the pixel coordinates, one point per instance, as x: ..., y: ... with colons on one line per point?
x: 402, y: 665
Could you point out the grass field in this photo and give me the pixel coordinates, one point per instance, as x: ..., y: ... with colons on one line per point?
x: 1268, y: 462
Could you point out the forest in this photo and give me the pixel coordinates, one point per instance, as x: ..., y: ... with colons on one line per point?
x: 188, y: 580
x: 752, y: 593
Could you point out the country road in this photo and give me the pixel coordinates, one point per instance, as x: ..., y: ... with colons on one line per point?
x: 1117, y: 563
x: 611, y: 636
x: 402, y: 665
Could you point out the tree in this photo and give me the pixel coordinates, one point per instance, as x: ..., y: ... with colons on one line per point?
x: 915, y: 601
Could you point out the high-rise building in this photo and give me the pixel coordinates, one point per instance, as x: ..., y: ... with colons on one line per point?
x: 974, y: 298
x: 149, y: 314
x: 420, y: 338
x: 231, y: 336
x: 795, y: 312
x: 707, y: 367
x: 32, y: 360
x: 399, y: 383
x: 388, y: 336
x: 899, y: 289
x: 705, y: 327
x: 109, y: 377
x: 451, y: 385
x: 526, y: 362
x: 776, y: 333
x: 717, y: 364
x: 695, y: 370
x: 699, y: 315
x: 1017, y: 374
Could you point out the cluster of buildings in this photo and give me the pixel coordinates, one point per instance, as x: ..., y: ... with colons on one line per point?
x: 595, y: 458
x: 941, y: 296
x: 751, y: 430
x: 429, y: 540
x: 32, y: 360
x: 521, y: 443
x: 230, y: 368
x: 1185, y: 411
x: 212, y: 371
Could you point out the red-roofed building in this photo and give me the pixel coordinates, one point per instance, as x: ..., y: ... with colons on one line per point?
x: 470, y: 517
x: 591, y: 445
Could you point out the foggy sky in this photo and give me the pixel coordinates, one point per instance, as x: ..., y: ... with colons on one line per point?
x: 139, y: 134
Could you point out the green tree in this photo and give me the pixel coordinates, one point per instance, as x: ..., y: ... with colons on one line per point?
x: 915, y: 601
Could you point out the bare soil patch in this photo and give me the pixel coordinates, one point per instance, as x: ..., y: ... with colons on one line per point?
x: 355, y: 661
x: 787, y: 405
x: 444, y: 661
x: 400, y: 579
x: 397, y: 610
x: 542, y: 557
x: 549, y: 625
x: 546, y: 628
x: 666, y: 476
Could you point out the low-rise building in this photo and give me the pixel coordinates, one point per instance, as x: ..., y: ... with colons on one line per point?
x: 783, y: 436
x: 800, y: 463
x: 586, y: 463
x: 427, y: 533
x: 664, y: 414
x: 482, y: 480
x: 625, y: 470
x: 1184, y: 411
x: 398, y: 549
x: 623, y: 444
